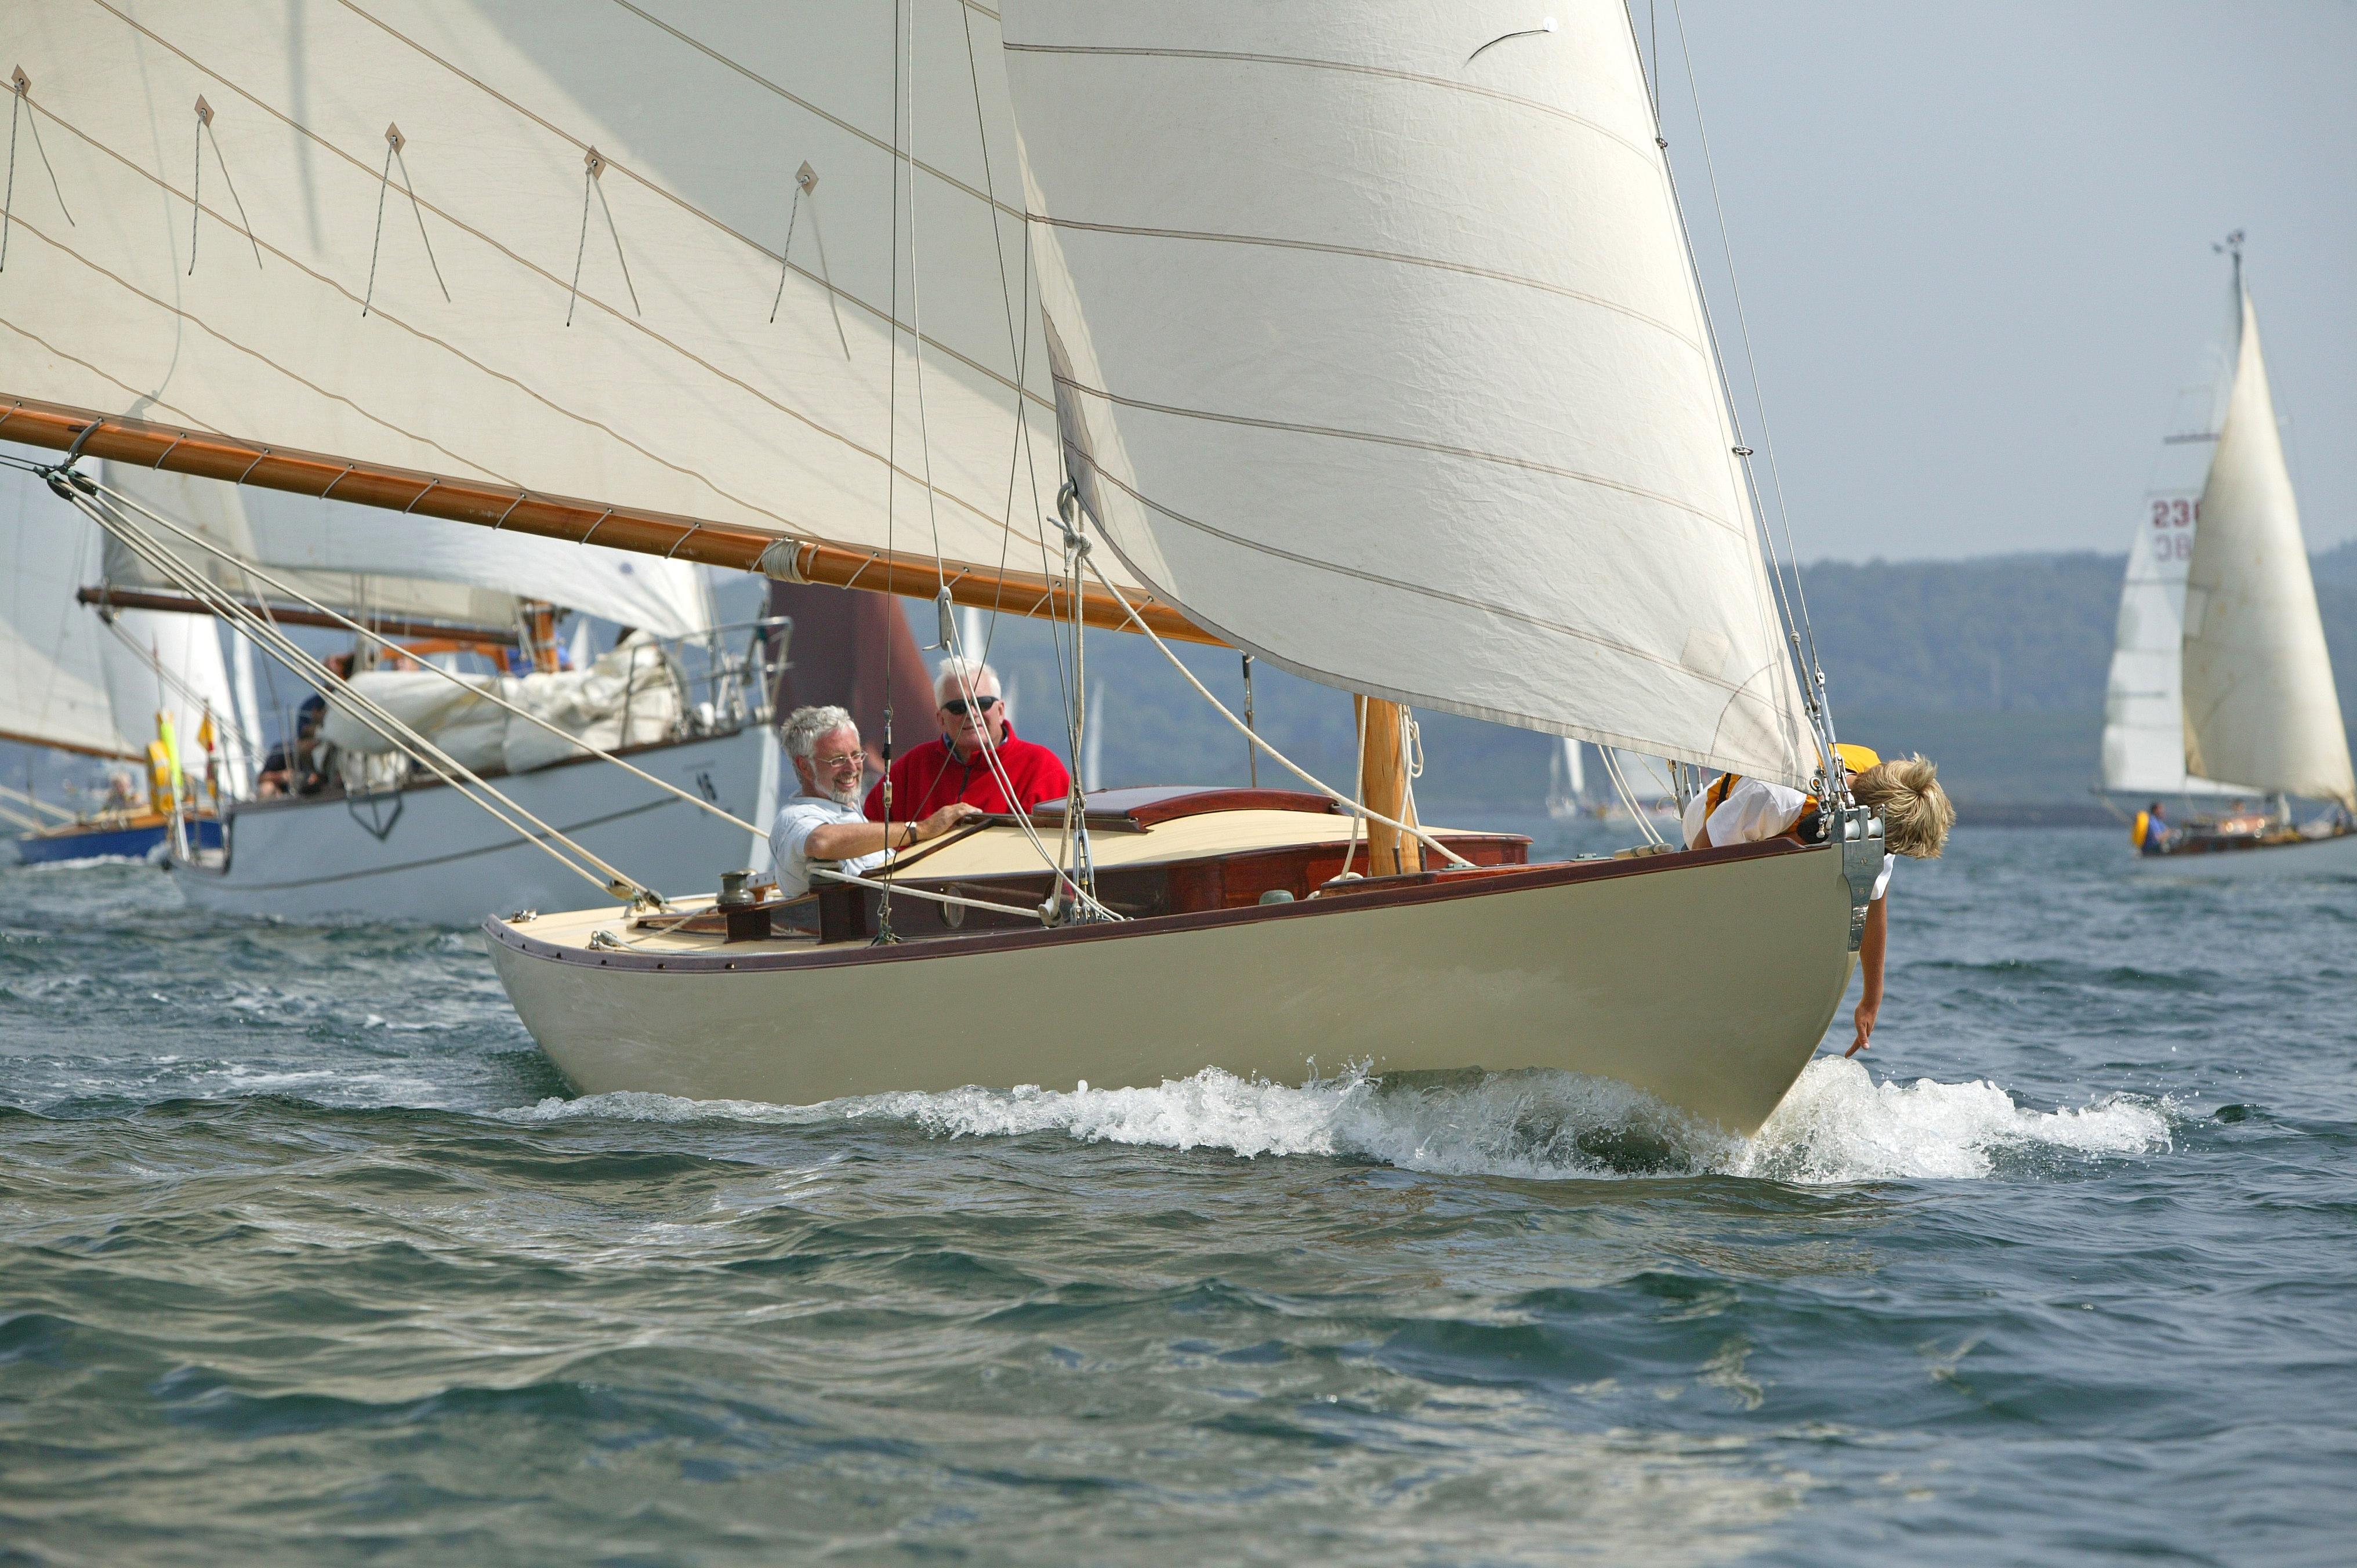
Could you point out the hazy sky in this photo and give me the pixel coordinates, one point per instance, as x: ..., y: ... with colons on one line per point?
x: 1974, y: 243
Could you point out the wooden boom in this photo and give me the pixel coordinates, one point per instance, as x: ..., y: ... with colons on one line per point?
x: 211, y: 457
x: 108, y: 597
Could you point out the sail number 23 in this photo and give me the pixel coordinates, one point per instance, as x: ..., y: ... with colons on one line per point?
x: 2170, y: 520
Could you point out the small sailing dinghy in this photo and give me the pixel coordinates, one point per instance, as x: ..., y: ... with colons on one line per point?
x: 2221, y: 687
x: 1365, y: 340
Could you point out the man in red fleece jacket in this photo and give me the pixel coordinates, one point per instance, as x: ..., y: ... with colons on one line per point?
x: 955, y: 767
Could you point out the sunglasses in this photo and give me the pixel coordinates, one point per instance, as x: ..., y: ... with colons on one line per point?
x: 959, y: 707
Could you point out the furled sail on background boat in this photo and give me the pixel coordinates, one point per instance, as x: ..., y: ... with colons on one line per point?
x: 2246, y: 693
x: 111, y: 688
x: 383, y: 842
x: 1376, y: 352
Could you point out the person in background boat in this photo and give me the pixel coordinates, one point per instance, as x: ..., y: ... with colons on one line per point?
x: 2152, y: 831
x: 823, y: 823
x: 304, y: 765
x: 1916, y: 817
x: 972, y: 716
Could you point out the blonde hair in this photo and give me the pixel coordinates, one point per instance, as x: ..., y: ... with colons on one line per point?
x: 1916, y: 813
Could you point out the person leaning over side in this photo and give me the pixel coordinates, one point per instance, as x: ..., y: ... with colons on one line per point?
x: 823, y: 823
x: 1916, y: 816
x: 972, y: 717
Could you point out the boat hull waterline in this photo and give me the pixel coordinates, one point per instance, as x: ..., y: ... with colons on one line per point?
x: 428, y: 855
x: 101, y: 841
x: 1606, y: 968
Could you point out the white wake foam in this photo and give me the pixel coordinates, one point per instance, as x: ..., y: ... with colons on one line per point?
x: 1837, y: 1125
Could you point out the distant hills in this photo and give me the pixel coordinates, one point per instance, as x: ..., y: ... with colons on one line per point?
x: 1993, y: 667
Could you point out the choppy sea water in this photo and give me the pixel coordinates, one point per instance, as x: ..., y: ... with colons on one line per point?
x: 306, y: 1257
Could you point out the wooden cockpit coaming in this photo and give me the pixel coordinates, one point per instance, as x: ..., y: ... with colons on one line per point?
x: 801, y: 949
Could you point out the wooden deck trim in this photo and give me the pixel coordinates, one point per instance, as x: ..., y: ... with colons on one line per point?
x: 1375, y: 893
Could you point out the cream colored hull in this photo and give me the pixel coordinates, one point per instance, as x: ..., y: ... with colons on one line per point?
x: 1706, y: 982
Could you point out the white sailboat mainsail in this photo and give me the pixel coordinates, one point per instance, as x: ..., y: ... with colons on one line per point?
x: 2144, y: 702
x: 2260, y: 705
x: 1386, y: 361
x: 648, y: 302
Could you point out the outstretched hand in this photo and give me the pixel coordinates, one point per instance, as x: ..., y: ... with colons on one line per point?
x: 1864, y: 1021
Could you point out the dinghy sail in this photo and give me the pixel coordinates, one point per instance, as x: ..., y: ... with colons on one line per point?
x: 2260, y: 705
x: 1330, y: 332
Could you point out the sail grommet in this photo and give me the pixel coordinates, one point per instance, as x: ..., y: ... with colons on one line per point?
x: 781, y: 562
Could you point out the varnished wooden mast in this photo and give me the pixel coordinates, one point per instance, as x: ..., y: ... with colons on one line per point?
x: 1382, y: 787
x: 151, y: 445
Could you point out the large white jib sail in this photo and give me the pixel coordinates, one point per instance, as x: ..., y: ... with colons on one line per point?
x: 1378, y: 351
x: 2260, y: 705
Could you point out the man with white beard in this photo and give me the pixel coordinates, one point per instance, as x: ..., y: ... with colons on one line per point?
x: 824, y: 823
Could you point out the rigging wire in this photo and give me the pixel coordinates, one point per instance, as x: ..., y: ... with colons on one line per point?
x: 179, y: 687
x: 1275, y: 756
x: 1021, y: 453
x: 891, y: 461
x: 1620, y: 787
x: 1059, y: 860
x: 1797, y: 621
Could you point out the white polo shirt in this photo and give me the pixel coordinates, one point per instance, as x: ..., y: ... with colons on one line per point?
x: 797, y: 819
x: 1754, y: 812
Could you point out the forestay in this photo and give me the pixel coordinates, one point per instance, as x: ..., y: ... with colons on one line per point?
x: 2260, y: 705
x: 1378, y: 350
x: 649, y: 149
